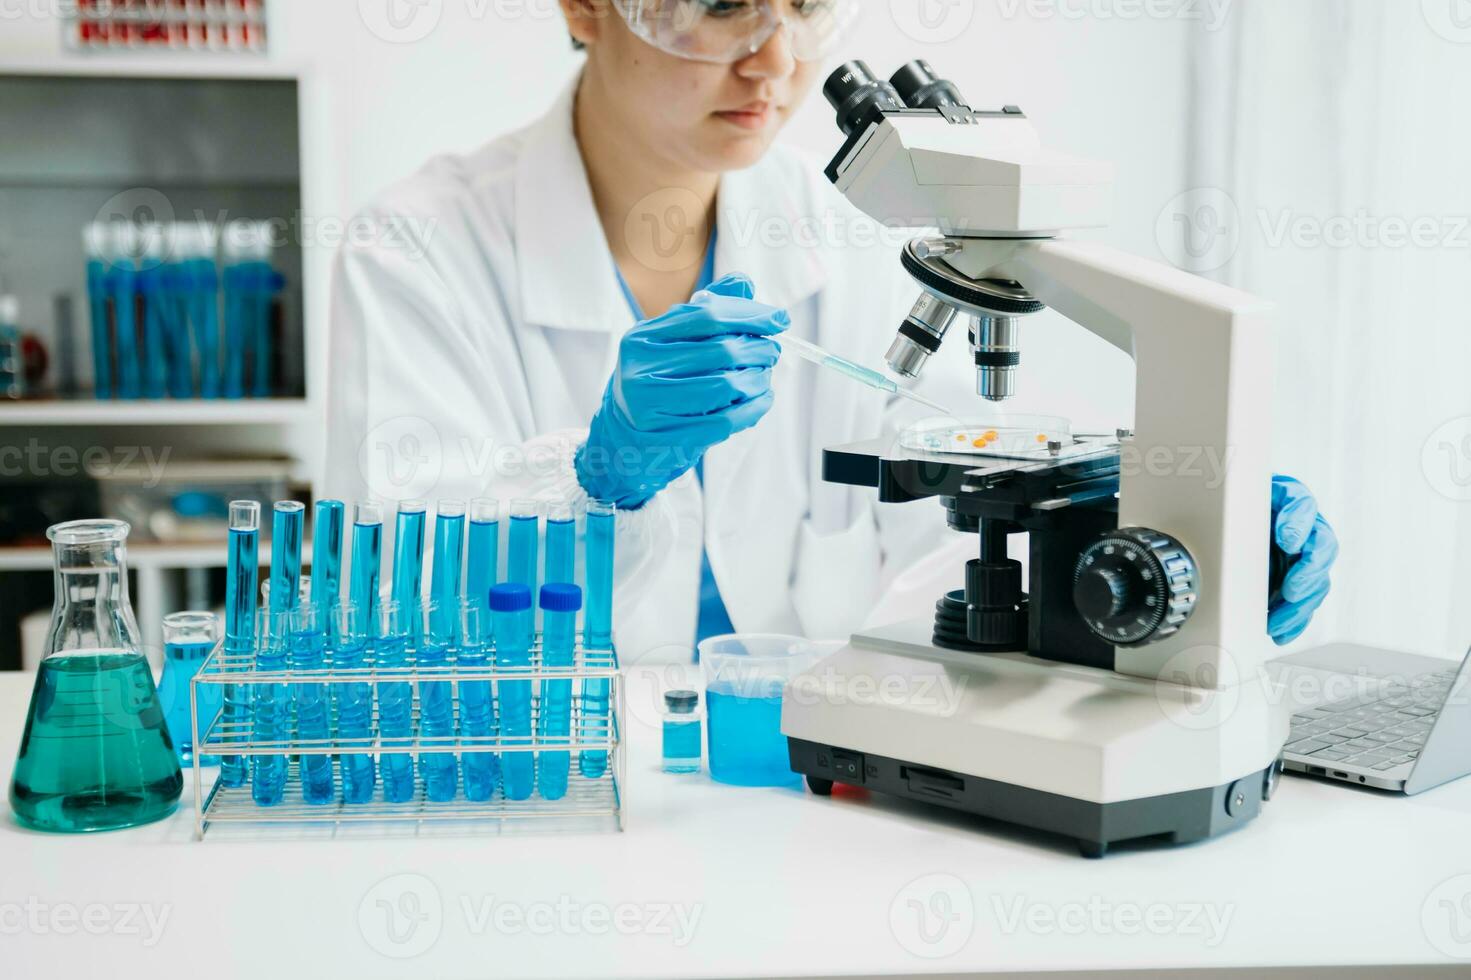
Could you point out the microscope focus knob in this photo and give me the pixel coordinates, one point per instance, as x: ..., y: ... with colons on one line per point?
x: 1135, y: 586
x: 1102, y: 594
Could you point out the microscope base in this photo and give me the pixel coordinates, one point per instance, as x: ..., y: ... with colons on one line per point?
x: 1080, y: 751
x: 1179, y: 818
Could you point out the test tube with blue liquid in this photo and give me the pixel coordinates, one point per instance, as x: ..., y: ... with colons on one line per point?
x: 408, y: 558
x: 287, y: 526
x: 477, y: 705
x: 395, y: 699
x: 203, y: 281
x: 440, y: 631
x: 399, y: 631
x: 174, y: 296
x: 150, y: 288
x: 483, y: 555
x: 327, y: 561
x: 313, y: 723
x: 122, y: 290
x: 449, y: 564
x: 95, y: 243
x: 367, y: 563
x: 560, y: 603
x: 521, y: 552
x: 240, y: 621
x: 436, y: 702
x: 271, y: 703
x: 233, y: 378
x: 561, y: 563
x: 597, y: 632
x: 314, y: 700
x: 510, y: 609
x: 270, y: 709
x: 354, y: 702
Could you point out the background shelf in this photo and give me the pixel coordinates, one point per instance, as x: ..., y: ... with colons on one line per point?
x: 241, y: 411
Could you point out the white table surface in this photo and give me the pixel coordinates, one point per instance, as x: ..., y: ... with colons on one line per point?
x: 768, y: 882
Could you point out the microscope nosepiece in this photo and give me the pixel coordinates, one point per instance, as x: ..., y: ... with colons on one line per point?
x: 920, y: 335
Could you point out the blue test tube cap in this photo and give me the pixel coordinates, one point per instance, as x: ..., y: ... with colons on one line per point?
x: 510, y: 597
x: 559, y: 597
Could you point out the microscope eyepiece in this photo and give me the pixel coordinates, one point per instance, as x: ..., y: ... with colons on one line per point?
x: 854, y: 91
x: 920, y: 88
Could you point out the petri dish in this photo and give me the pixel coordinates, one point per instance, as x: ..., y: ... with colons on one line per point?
x: 1001, y: 436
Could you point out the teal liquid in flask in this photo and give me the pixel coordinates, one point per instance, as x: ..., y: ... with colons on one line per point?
x: 95, y: 753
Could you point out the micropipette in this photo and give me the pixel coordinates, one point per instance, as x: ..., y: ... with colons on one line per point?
x: 857, y: 372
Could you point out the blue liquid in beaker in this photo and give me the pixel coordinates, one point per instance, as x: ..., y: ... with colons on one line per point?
x: 95, y: 753
x: 181, y: 661
x: 747, y: 747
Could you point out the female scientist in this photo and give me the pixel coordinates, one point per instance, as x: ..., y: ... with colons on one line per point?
x: 592, y: 308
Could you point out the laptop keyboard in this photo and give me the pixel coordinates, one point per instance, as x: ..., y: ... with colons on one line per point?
x: 1380, y: 732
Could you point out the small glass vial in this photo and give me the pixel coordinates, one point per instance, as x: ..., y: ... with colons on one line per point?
x: 682, y: 736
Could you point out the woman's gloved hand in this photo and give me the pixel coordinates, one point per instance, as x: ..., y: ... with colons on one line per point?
x: 1305, y: 543
x: 685, y: 381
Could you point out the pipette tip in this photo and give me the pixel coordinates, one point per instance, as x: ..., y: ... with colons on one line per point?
x: 921, y: 399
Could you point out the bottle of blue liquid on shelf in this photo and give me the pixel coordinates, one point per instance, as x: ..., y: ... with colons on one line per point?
x: 510, y: 609
x: 682, y: 731
x: 188, y: 638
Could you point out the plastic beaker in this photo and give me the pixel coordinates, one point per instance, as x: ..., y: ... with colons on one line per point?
x: 744, y: 677
x: 95, y: 753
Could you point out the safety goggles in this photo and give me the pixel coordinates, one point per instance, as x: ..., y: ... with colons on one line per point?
x: 726, y: 31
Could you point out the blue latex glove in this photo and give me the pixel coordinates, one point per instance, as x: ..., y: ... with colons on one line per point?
x: 685, y: 381
x: 1308, y: 542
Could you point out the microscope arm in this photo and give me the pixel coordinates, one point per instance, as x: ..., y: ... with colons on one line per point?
x: 1199, y: 464
x: 1108, y: 292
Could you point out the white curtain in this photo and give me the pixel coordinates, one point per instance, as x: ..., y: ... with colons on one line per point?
x: 1331, y: 172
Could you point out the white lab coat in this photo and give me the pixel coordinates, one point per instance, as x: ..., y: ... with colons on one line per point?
x: 470, y: 348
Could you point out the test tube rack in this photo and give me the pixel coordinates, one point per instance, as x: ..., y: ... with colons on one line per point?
x: 590, y: 803
x: 214, y: 25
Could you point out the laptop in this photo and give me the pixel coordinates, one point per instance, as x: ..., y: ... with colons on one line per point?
x: 1379, y: 718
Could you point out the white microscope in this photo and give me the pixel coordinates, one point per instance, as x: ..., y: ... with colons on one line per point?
x: 1122, y: 694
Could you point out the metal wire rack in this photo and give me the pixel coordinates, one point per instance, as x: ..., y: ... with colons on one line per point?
x: 591, y: 801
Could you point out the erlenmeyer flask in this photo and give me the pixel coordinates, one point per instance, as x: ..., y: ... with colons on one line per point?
x: 95, y: 753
